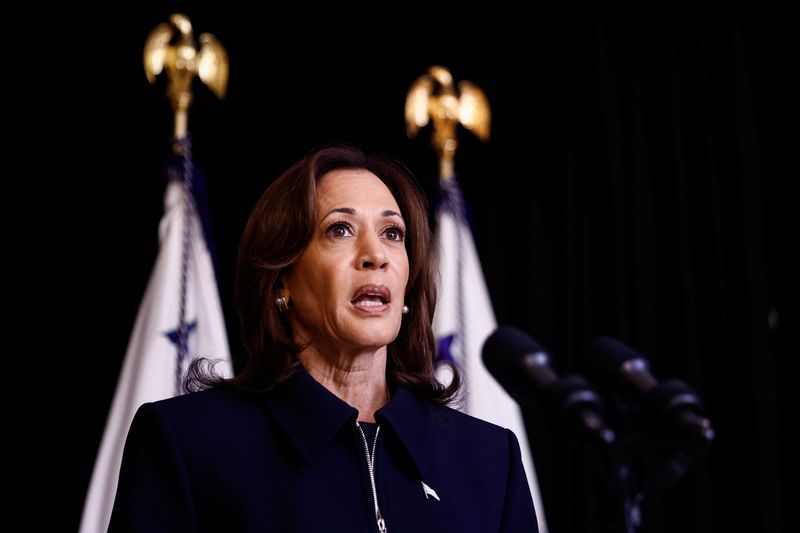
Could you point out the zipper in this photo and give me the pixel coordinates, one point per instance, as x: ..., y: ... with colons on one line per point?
x: 371, y: 467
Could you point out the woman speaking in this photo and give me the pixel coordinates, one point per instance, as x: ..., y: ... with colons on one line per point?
x: 334, y: 420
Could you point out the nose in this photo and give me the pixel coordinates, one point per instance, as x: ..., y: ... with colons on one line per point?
x: 371, y: 253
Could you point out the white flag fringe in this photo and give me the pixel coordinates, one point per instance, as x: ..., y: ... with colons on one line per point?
x: 464, y: 319
x: 150, y: 367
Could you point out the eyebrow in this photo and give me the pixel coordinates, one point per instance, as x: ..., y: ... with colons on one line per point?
x: 351, y: 211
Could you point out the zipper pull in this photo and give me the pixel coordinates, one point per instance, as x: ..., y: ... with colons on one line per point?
x: 381, y: 526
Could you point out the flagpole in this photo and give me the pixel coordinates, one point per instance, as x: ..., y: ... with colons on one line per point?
x: 182, y: 61
x: 464, y: 317
x: 148, y: 372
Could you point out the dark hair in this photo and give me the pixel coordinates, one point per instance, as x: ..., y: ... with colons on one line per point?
x: 277, y: 233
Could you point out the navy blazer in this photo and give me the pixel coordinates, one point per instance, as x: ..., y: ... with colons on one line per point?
x: 293, y: 460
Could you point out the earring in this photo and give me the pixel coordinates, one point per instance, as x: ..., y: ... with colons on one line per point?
x: 282, y: 304
x: 405, y: 309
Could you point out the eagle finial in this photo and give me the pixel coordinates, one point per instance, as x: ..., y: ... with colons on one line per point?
x: 170, y: 45
x: 433, y: 97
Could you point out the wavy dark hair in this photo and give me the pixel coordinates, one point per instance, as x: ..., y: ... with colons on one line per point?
x: 276, y: 235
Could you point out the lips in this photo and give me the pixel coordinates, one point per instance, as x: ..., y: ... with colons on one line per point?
x: 371, y: 297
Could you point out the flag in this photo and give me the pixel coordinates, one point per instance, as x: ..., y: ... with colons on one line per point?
x: 181, y: 291
x: 463, y: 320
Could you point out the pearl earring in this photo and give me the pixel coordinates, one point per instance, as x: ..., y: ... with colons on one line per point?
x: 405, y: 309
x: 282, y: 304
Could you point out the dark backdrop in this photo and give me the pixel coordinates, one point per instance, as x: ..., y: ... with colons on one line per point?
x: 636, y: 184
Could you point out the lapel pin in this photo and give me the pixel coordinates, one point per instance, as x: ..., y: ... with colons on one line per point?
x: 429, y: 492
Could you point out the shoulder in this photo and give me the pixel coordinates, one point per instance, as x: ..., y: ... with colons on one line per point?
x: 205, y: 401
x: 451, y: 419
x: 209, y: 408
x: 472, y: 435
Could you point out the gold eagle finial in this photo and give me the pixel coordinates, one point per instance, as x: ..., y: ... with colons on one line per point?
x: 170, y: 45
x: 433, y: 97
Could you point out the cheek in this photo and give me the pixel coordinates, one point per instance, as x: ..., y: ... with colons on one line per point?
x: 330, y: 282
x: 405, y: 269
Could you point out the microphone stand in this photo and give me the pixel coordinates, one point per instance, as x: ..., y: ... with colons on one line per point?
x: 646, y: 463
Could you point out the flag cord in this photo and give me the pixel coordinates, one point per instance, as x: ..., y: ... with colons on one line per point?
x: 183, y: 147
x: 462, y: 322
x: 455, y: 203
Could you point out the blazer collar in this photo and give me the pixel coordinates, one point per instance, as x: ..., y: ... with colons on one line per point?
x: 310, y: 415
x: 411, y: 419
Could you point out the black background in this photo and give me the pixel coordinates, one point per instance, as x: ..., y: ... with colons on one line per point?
x: 636, y: 184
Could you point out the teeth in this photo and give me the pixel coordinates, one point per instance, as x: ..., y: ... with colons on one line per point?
x: 368, y: 303
x: 370, y: 299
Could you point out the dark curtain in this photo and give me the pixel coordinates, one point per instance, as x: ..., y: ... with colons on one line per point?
x: 646, y: 203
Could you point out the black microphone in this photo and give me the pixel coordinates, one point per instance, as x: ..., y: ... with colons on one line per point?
x: 673, y: 399
x: 523, y: 368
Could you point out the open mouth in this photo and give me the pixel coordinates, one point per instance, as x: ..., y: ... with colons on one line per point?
x: 372, y: 298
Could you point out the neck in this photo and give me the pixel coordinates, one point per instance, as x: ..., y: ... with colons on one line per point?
x: 358, y: 379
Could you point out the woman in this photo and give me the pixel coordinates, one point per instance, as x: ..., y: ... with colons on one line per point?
x: 335, y: 421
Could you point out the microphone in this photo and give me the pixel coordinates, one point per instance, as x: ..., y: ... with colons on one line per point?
x: 673, y: 399
x: 523, y: 368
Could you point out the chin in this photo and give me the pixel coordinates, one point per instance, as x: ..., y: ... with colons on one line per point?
x: 373, y: 332
x: 374, y: 342
x: 377, y: 339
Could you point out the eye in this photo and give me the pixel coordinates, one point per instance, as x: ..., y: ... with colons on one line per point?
x: 339, y: 230
x: 395, y: 233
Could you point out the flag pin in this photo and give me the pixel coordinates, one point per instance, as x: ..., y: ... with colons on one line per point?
x: 429, y: 492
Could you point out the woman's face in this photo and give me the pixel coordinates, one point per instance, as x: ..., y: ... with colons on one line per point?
x: 347, y: 291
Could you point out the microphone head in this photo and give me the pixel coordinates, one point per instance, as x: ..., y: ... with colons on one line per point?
x: 505, y: 349
x: 616, y: 360
x: 682, y: 408
x: 608, y: 354
x: 577, y: 408
x: 573, y: 390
